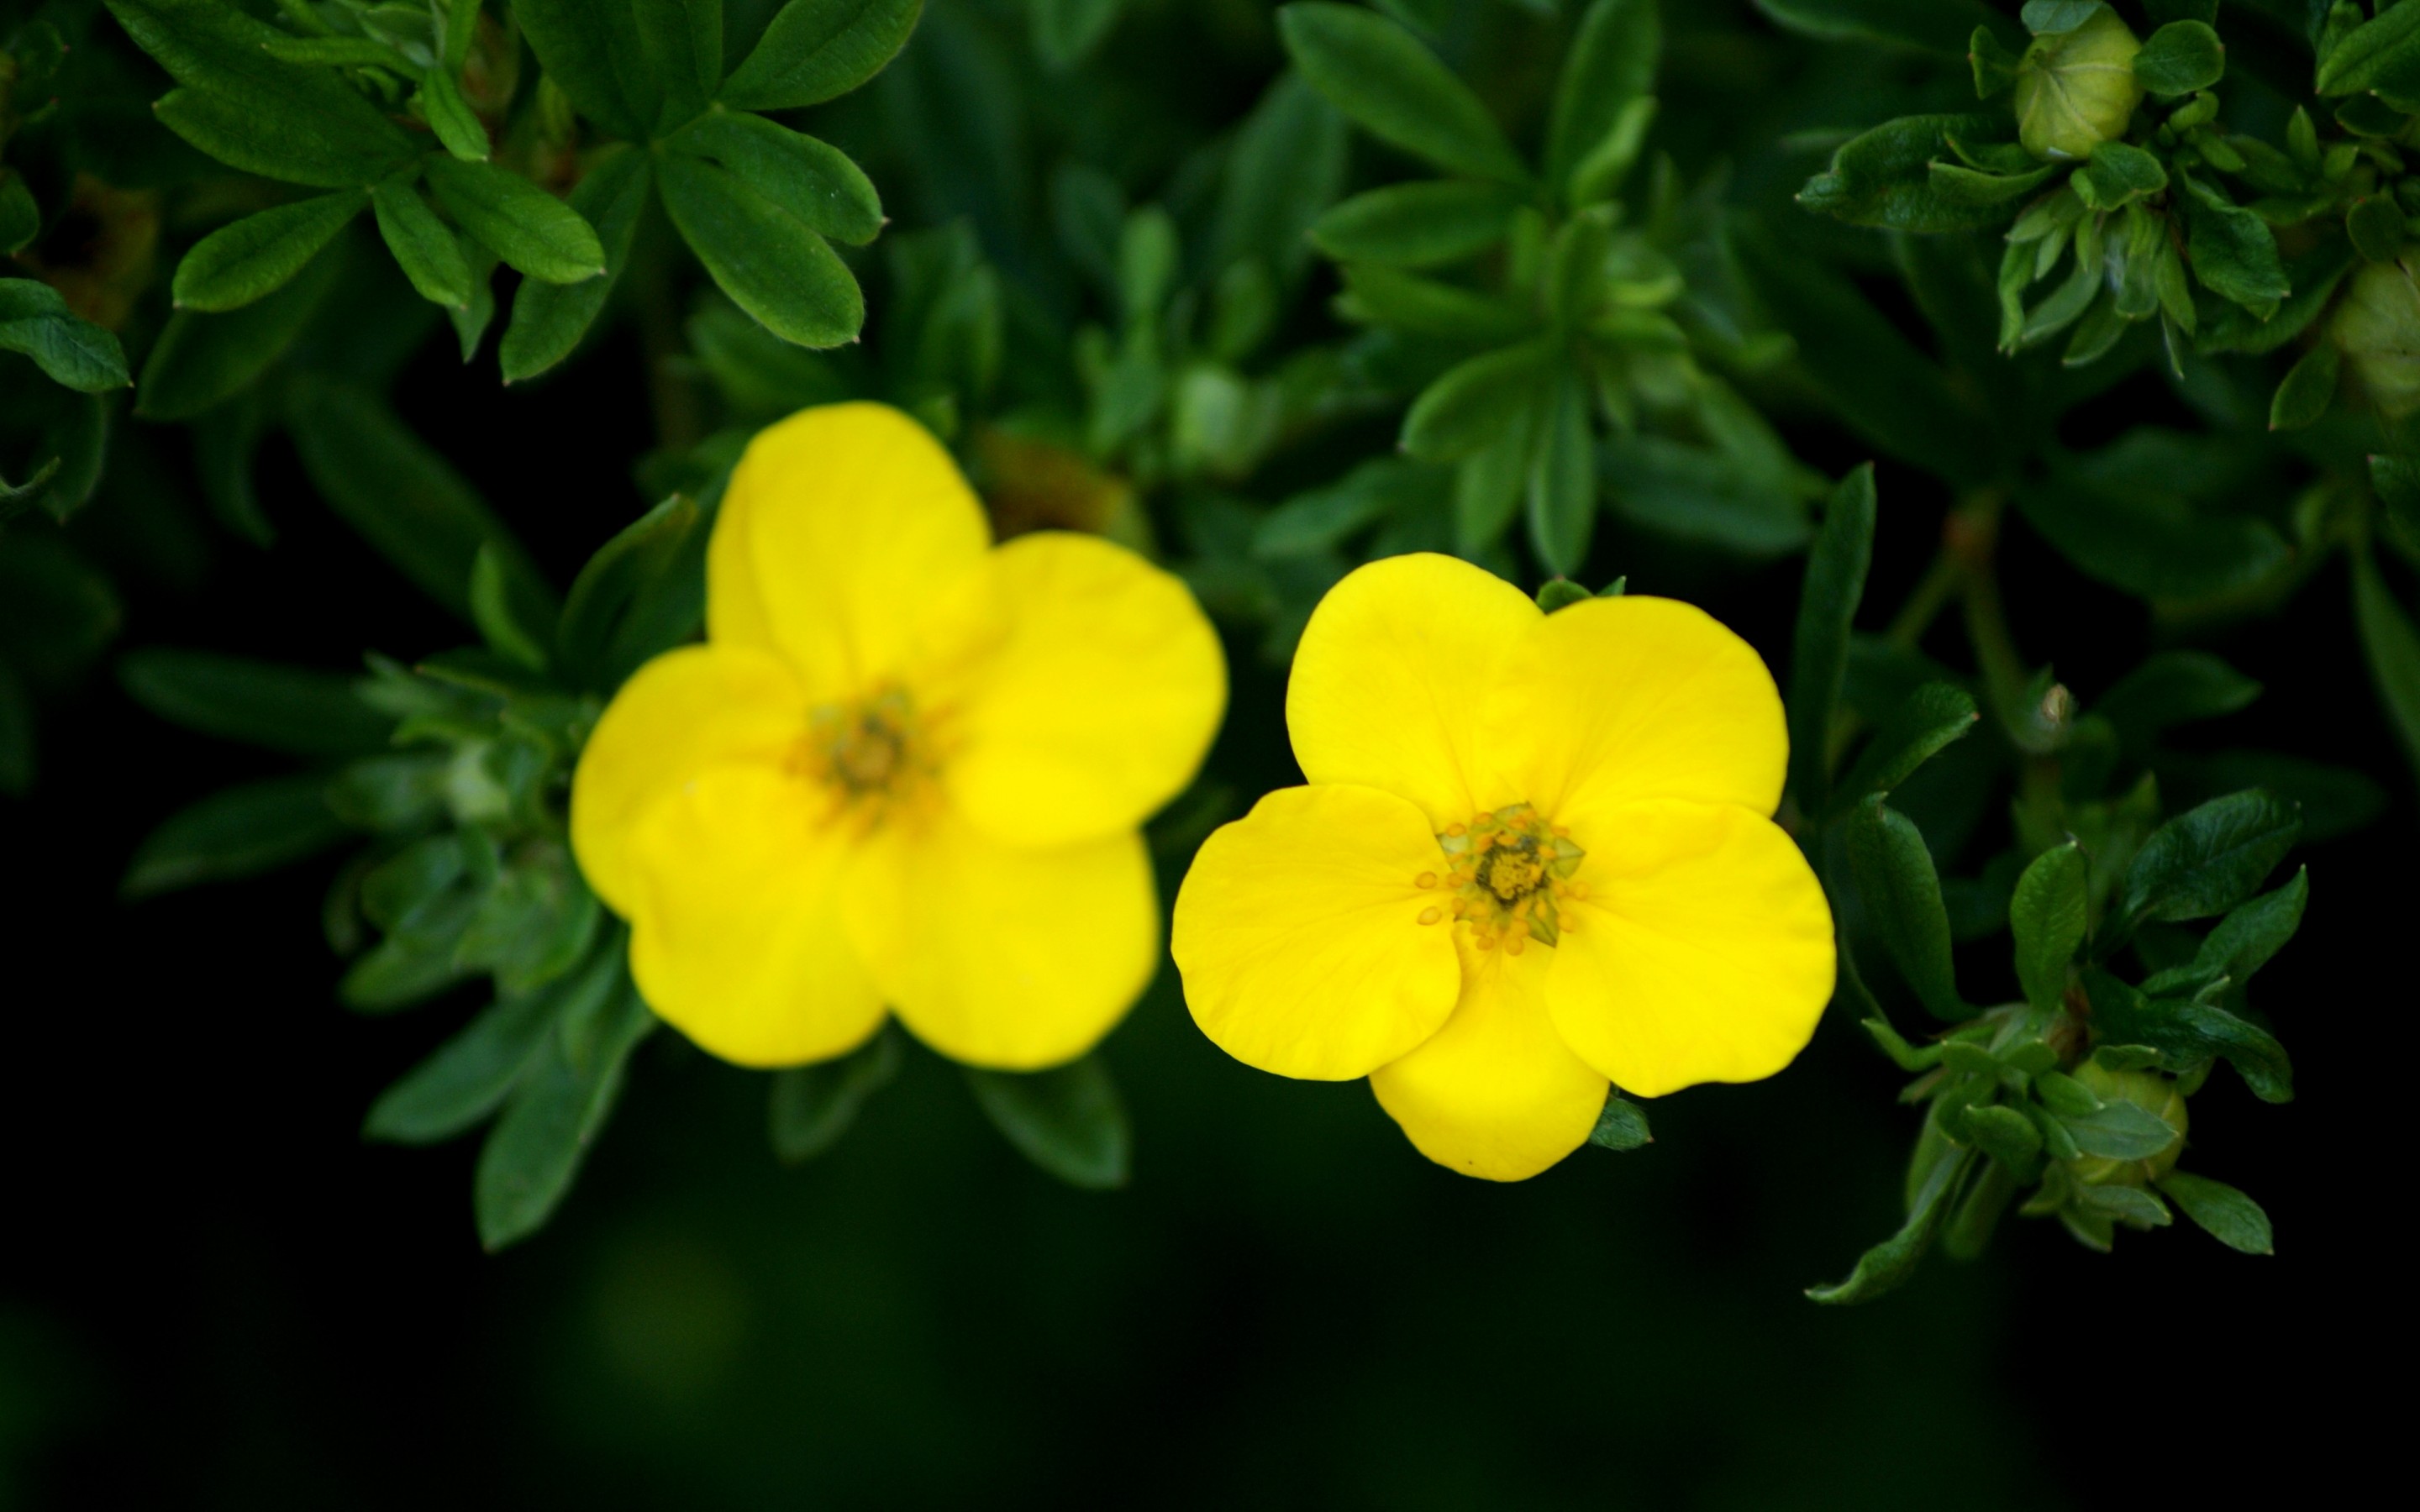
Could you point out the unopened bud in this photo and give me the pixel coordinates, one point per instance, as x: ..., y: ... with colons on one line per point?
x: 2146, y: 1089
x: 2076, y: 90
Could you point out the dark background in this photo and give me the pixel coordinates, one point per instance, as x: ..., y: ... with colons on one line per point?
x: 212, y: 1293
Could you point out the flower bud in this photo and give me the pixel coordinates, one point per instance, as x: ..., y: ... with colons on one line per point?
x: 2146, y: 1089
x: 2076, y: 90
x: 2378, y: 326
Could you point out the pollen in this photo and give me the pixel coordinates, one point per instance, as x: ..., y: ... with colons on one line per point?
x: 869, y: 754
x: 1510, y: 870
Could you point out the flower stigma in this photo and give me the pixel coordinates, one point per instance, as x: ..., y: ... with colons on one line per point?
x: 1509, y: 872
x: 871, y: 754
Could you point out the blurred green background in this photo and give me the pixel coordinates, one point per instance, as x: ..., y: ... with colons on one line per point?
x: 213, y: 1294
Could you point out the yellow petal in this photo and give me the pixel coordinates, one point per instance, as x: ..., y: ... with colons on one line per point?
x: 1082, y: 689
x: 1391, y: 683
x: 837, y: 524
x: 680, y: 714
x: 1000, y: 957
x: 1616, y: 699
x: 737, y: 940
x: 1297, y: 932
x: 1703, y: 951
x: 1495, y: 1092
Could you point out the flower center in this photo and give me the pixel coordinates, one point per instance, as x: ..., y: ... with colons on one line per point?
x: 1508, y: 872
x: 869, y: 753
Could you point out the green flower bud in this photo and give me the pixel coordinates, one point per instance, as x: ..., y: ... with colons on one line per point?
x: 2378, y: 326
x: 2146, y: 1089
x: 2076, y: 90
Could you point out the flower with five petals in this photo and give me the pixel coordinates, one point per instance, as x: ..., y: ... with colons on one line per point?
x: 1535, y: 857
x: 904, y: 773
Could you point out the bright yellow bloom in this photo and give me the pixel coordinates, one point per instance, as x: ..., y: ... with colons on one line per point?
x: 906, y: 768
x: 1535, y: 854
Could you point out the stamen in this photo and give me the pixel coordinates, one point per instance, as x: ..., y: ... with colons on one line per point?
x: 1426, y: 879
x: 1509, y: 871
x: 1430, y: 915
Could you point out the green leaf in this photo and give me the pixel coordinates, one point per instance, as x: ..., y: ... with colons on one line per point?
x: 2117, y: 173
x: 2253, y: 932
x: 2186, y: 1032
x: 2233, y: 254
x: 2120, y: 1130
x: 2142, y: 538
x: 771, y: 264
x: 1563, y: 479
x: 818, y: 50
x: 2224, y: 1213
x: 424, y: 247
x: 1924, y: 724
x: 72, y: 350
x: 1285, y: 167
x: 527, y: 1164
x: 1902, y: 894
x: 201, y: 360
x: 2063, y: 1094
x: 470, y: 1074
x: 1480, y: 401
x: 1608, y: 70
x: 2208, y: 859
x: 1970, y: 186
x: 1834, y: 585
x: 1068, y: 1120
x: 2388, y: 42
x: 1560, y: 594
x: 549, y: 320
x: 1391, y: 85
x: 1621, y: 1124
x: 2397, y: 482
x: 1418, y: 224
x: 493, y: 611
x: 529, y: 228
x: 2392, y: 647
x: 2122, y: 1204
x: 814, y: 1105
x: 2047, y: 913
x: 593, y: 53
x: 276, y: 707
x: 2180, y: 57
x: 1321, y: 519
x: 682, y: 41
x: 609, y: 597
x: 237, y: 832
x: 2047, y: 18
x: 2375, y: 225
x: 1888, y: 1264
x: 2171, y: 689
x: 1883, y: 178
x: 2308, y: 387
x: 21, y: 219
x: 246, y: 259
x: 450, y: 115
x: 2004, y: 1134
x: 405, y: 499
x: 1929, y: 25
x: 812, y: 181
x: 1377, y: 295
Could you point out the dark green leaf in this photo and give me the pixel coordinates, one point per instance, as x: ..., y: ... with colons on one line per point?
x: 2174, y: 687
x: 1883, y: 178
x: 2233, y: 254
x: 1068, y: 1120
x: 1286, y: 166
x: 812, y: 181
x: 1560, y: 594
x: 771, y: 264
x: 2120, y: 1130
x: 2047, y: 913
x: 2374, y: 47
x: 281, y: 708
x: 2207, y: 860
x: 1378, y: 295
x: 529, y: 228
x: 470, y: 1074
x: 239, y: 832
x: 73, y: 351
x: 614, y: 584
x: 817, y: 50
x: 1621, y: 1124
x: 2180, y: 57
x: 1563, y: 479
x: 814, y: 1105
x: 1418, y: 224
x: 2308, y: 386
x: 1957, y: 185
x: 493, y: 611
x: 423, y: 246
x: 2117, y: 173
x: 682, y: 41
x: 560, y: 1106
x: 1480, y: 401
x: 1920, y: 728
x: 2392, y: 647
x: 2122, y: 1204
x: 2186, y: 1032
x: 242, y: 261
x: 1931, y: 26
x: 404, y: 499
x: 2004, y: 1134
x: 21, y: 219
x: 1610, y: 68
x: 201, y: 361
x: 1834, y: 586
x: 450, y: 115
x: 1884, y: 1267
x: 2224, y: 1213
x: 2064, y: 1095
x: 2150, y: 544
x: 2250, y: 936
x: 549, y: 320
x: 2044, y: 18
x: 1391, y: 85
x: 1902, y: 895
x: 1319, y: 520
x: 2375, y: 225
x: 593, y: 53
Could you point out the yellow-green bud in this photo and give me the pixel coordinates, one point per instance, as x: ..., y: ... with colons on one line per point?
x: 2146, y: 1089
x: 2076, y: 90
x: 2378, y: 326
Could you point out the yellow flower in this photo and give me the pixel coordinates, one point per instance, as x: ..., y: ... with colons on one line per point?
x: 1535, y: 854
x: 906, y: 768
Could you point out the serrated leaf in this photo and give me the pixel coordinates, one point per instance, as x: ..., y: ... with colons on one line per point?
x: 246, y: 259
x: 1068, y: 1120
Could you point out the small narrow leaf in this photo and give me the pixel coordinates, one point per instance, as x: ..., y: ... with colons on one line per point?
x: 278, y: 707
x: 2224, y: 1213
x: 1835, y: 584
x: 1069, y: 1120
x: 817, y: 50
x: 2047, y: 913
x: 1901, y: 891
x: 242, y: 261
x: 529, y: 228
x: 1888, y: 1264
x: 1620, y: 1125
x: 814, y: 1105
x: 239, y: 832
x: 1391, y: 85
x: 423, y: 246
